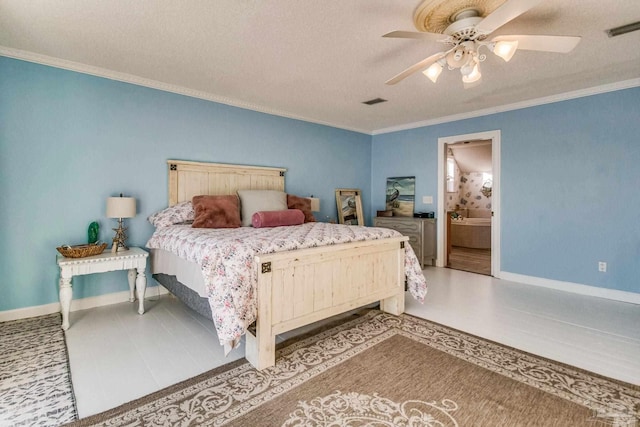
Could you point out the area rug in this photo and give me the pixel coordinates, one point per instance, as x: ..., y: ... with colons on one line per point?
x: 383, y: 370
x: 35, y: 380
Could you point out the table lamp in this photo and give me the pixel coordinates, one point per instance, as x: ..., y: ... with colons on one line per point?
x: 120, y: 207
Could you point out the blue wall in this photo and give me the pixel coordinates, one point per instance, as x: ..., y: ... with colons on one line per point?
x: 69, y: 140
x: 568, y: 181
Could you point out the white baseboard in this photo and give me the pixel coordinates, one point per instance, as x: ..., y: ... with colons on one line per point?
x: 76, y: 304
x: 120, y: 297
x: 576, y: 288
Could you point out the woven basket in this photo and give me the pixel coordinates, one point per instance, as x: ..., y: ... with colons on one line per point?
x: 81, y: 251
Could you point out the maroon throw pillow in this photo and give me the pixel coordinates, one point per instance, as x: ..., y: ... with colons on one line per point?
x: 277, y: 218
x: 302, y: 203
x: 216, y: 212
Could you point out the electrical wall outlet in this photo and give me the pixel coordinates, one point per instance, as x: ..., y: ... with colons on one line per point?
x: 427, y: 200
x: 602, y: 267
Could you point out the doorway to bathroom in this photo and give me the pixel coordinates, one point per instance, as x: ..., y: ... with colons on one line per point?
x: 468, y: 202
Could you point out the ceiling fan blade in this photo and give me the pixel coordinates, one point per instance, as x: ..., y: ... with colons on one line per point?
x: 560, y: 44
x: 415, y: 67
x: 505, y: 13
x: 415, y: 35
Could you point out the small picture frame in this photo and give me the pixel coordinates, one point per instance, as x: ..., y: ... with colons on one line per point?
x: 349, y: 203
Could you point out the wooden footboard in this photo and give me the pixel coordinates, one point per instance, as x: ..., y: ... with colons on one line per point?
x: 299, y: 287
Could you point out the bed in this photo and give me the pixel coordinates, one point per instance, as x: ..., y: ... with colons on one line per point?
x: 289, y: 288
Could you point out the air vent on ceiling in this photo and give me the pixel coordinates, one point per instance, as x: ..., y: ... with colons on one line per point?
x: 624, y: 29
x: 374, y: 101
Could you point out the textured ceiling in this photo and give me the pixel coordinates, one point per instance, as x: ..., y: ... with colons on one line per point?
x: 315, y: 60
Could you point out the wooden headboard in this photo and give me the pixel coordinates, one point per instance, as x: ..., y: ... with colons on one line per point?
x: 188, y: 179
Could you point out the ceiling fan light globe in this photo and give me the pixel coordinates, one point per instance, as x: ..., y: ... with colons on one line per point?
x: 467, y: 69
x: 433, y: 72
x: 505, y: 49
x: 473, y: 76
x: 457, y: 58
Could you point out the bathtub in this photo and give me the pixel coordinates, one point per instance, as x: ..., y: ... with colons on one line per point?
x: 471, y: 233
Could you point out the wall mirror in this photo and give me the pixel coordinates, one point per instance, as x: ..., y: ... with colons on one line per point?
x: 349, y: 203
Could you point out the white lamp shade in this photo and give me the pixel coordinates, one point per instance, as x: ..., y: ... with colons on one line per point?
x: 473, y: 76
x: 315, y: 204
x: 433, y: 71
x: 121, y: 207
x: 505, y: 49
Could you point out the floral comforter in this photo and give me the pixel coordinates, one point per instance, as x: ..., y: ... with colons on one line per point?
x: 226, y: 257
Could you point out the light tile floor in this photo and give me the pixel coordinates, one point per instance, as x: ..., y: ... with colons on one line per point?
x: 117, y: 355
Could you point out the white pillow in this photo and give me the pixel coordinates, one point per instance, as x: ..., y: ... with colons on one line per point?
x: 252, y: 201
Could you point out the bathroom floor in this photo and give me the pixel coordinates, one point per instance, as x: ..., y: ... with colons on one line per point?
x: 469, y: 259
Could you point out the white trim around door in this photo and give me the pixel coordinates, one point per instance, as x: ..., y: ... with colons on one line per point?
x: 494, y: 136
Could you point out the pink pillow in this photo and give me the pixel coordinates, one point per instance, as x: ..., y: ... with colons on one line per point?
x: 277, y: 218
x: 216, y: 212
x: 302, y: 203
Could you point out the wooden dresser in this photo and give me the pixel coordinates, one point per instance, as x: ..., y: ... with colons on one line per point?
x: 421, y: 233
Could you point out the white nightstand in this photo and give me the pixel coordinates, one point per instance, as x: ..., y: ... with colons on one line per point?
x: 132, y: 260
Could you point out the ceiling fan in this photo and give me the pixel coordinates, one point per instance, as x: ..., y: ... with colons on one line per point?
x: 466, y: 34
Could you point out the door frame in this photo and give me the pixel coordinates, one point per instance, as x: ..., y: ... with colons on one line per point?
x: 494, y: 136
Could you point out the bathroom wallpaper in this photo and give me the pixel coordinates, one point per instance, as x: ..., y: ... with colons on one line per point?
x: 470, y: 193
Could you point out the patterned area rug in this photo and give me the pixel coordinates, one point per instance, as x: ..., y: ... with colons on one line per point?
x: 35, y: 380
x: 382, y: 370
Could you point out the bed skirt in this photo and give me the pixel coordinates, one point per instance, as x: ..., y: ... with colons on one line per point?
x: 188, y: 296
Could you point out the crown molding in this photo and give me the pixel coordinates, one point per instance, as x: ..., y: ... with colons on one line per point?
x: 596, y: 90
x: 166, y: 87
x: 154, y: 84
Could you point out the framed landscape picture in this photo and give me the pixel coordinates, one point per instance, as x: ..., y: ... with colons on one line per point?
x: 349, y: 203
x: 401, y: 194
